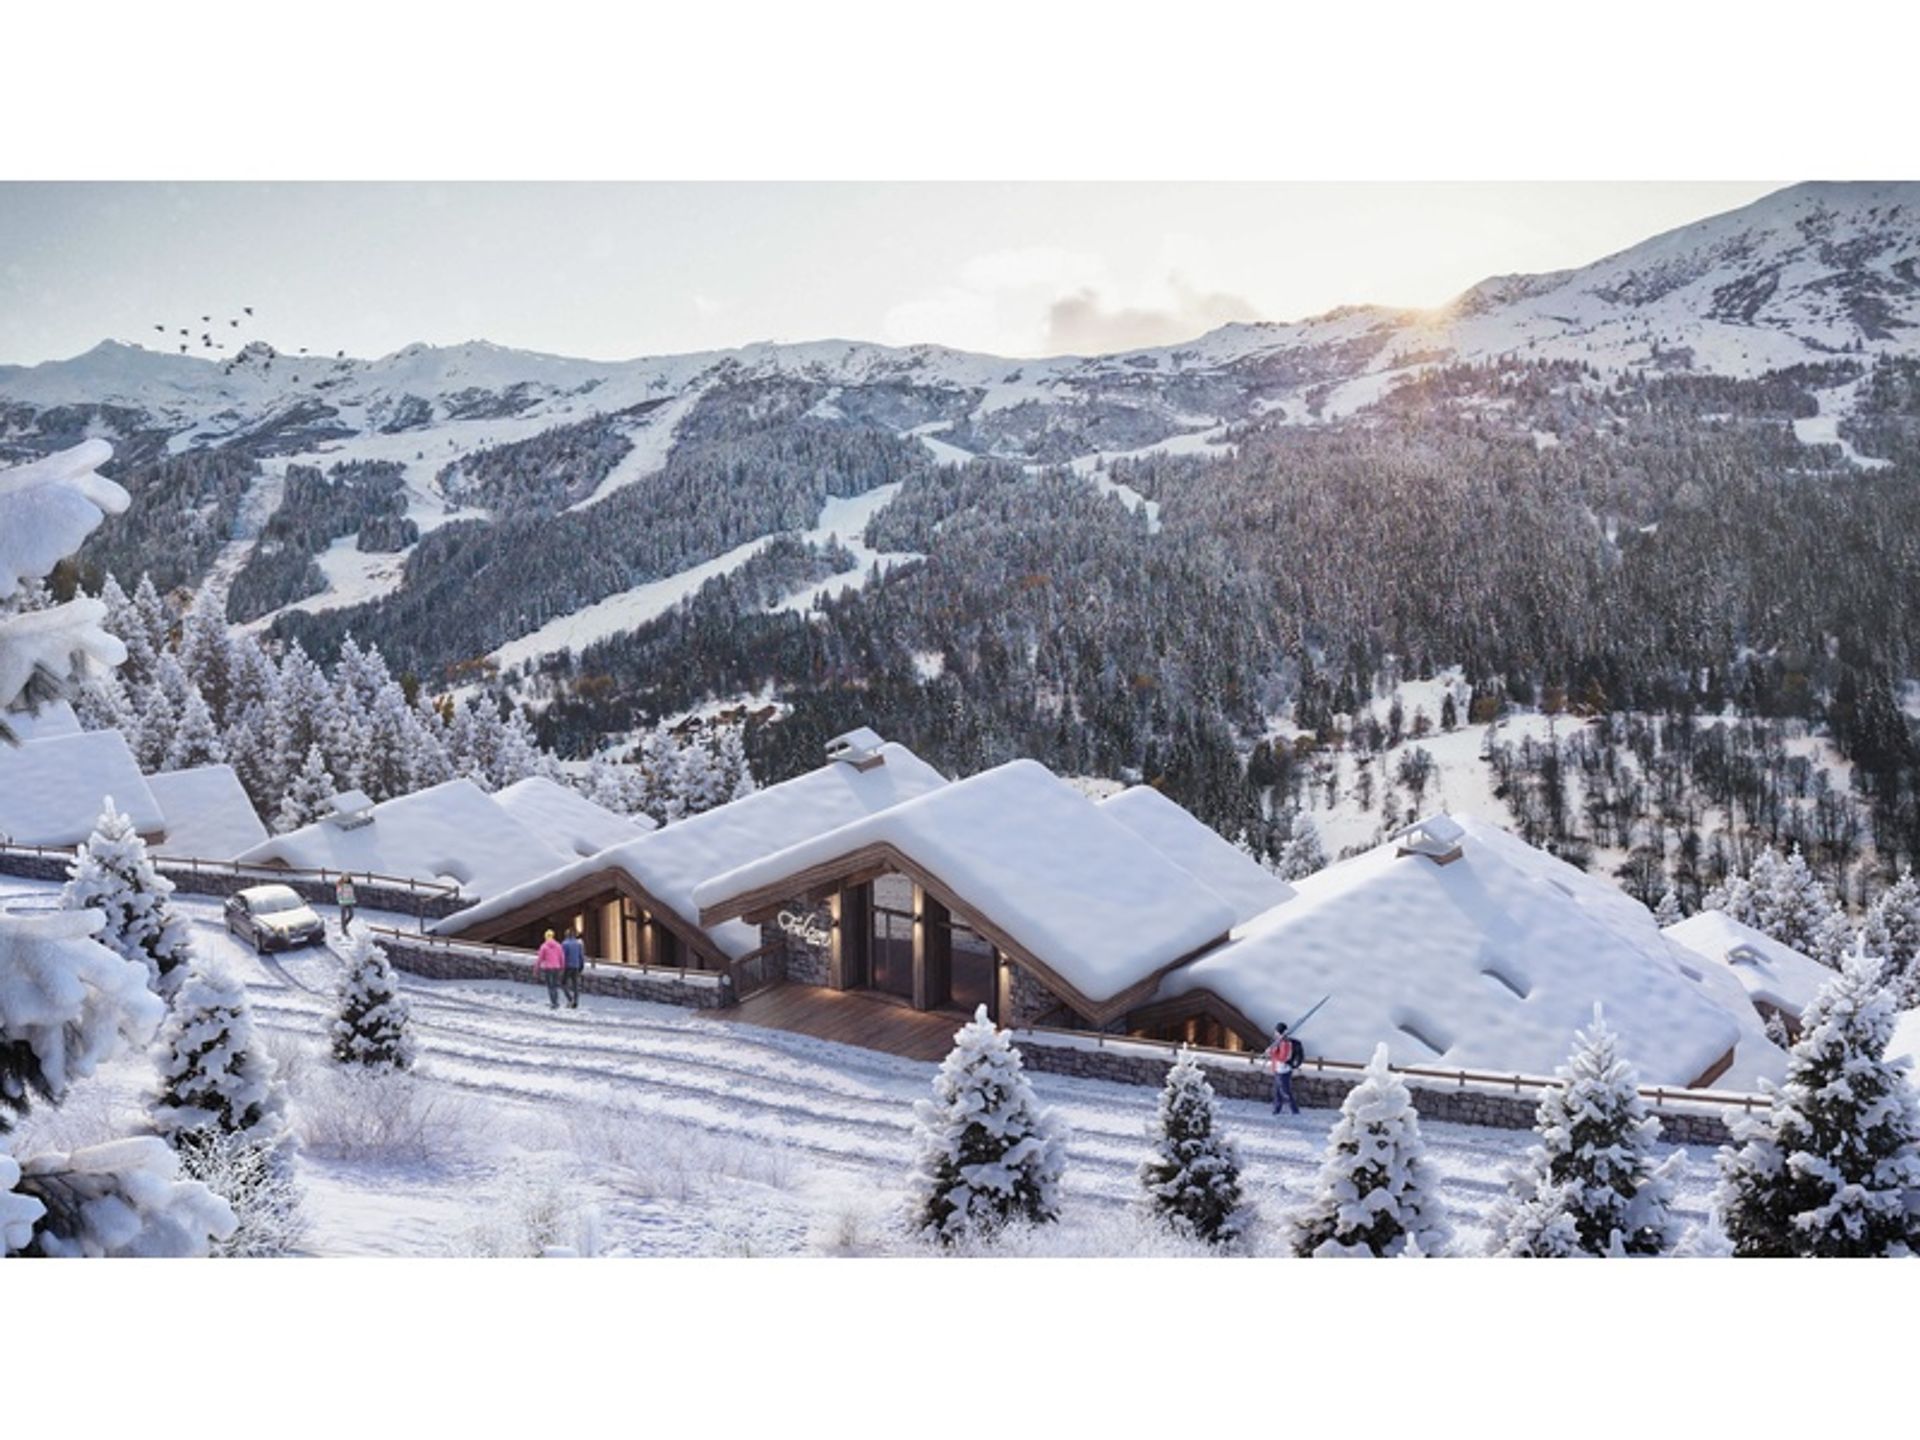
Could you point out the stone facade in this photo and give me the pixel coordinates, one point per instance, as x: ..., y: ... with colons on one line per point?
x: 1028, y: 1001
x: 804, y: 934
x: 698, y: 991
x: 1248, y: 1080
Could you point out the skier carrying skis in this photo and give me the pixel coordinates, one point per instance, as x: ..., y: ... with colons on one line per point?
x: 1283, y: 1058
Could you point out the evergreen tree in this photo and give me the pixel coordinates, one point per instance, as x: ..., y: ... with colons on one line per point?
x: 988, y: 1155
x: 207, y: 656
x: 112, y: 873
x: 1301, y: 856
x: 196, y: 741
x: 1590, y: 1186
x: 213, y: 1074
x: 1833, y: 1167
x: 1192, y: 1182
x: 67, y: 1002
x: 1375, y: 1192
x: 1791, y: 905
x: 1667, y: 912
x: 157, y: 721
x: 220, y: 1107
x: 1899, y: 920
x: 371, y: 1026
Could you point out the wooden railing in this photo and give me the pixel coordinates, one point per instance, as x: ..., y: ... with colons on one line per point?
x: 1660, y: 1096
x: 321, y: 875
x: 517, y: 955
x: 753, y: 971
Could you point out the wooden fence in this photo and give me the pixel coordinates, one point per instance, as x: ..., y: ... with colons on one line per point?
x: 1665, y: 1097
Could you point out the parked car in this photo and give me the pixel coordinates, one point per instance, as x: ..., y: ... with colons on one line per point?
x: 273, y: 917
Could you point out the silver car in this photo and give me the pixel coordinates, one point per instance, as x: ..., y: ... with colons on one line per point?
x: 273, y: 917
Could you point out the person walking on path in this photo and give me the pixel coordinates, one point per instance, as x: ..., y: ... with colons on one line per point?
x: 1283, y: 1058
x: 344, y: 897
x: 573, y: 952
x: 550, y: 962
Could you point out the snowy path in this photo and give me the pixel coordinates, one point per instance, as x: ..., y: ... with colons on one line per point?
x: 770, y: 1139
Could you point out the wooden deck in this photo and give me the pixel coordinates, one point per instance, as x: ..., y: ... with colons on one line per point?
x: 850, y: 1016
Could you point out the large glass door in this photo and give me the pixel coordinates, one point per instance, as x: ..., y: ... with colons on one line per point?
x: 890, y: 936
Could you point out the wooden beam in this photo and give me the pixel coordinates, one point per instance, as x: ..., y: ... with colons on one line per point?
x: 590, y: 887
x: 881, y: 857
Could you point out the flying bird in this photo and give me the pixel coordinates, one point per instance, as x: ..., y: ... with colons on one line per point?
x: 247, y: 308
x: 161, y: 328
x: 233, y: 322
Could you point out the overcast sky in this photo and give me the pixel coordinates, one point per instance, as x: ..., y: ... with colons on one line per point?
x: 618, y: 270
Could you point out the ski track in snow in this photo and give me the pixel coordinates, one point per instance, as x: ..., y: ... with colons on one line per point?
x: 836, y: 1119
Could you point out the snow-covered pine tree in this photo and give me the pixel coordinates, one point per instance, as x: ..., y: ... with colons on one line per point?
x: 213, y: 1074
x: 112, y: 873
x: 207, y: 655
x: 1375, y: 1189
x: 1302, y: 855
x: 1792, y: 906
x: 67, y: 1002
x: 153, y: 617
x: 1898, y: 910
x: 307, y: 794
x: 1591, y: 1185
x: 735, y: 779
x: 221, y: 1108
x: 1667, y: 912
x: 196, y: 741
x: 988, y: 1154
x: 154, y: 725
x: 370, y: 1025
x: 1833, y: 1167
x: 1192, y: 1180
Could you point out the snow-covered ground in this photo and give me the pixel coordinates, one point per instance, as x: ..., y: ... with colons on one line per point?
x: 645, y: 1130
x: 1824, y: 429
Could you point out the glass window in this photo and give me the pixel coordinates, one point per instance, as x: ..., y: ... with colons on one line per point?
x: 970, y: 975
x: 890, y: 946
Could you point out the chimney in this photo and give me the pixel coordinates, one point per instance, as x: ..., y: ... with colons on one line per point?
x: 1438, y: 837
x: 859, y: 748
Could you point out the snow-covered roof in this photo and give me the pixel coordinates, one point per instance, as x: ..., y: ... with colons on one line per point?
x: 671, y: 861
x: 1490, y: 962
x: 208, y: 814
x: 1081, y: 893
x: 1224, y: 868
x: 1772, y: 973
x: 56, y: 717
x: 565, y: 818
x: 452, y: 832
x: 51, y: 789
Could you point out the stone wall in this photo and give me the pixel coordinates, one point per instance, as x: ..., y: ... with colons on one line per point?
x: 1028, y: 1001
x: 808, y: 962
x: 1248, y: 1080
x: 208, y: 879
x: 666, y: 987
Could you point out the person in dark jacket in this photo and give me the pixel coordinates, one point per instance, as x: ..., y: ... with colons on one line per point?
x: 1283, y: 1058
x: 573, y: 954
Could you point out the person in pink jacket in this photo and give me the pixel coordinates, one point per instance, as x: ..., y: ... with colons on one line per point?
x: 549, y: 962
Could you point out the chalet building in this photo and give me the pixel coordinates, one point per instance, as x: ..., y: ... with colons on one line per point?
x: 53, y: 782
x: 453, y: 833
x: 1454, y: 942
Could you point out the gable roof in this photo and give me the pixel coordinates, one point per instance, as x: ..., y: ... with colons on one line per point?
x: 668, y: 864
x: 565, y: 818
x: 1489, y: 962
x: 450, y: 832
x: 1079, y: 895
x: 51, y: 789
x: 1224, y: 868
x: 208, y: 814
x: 1771, y: 973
